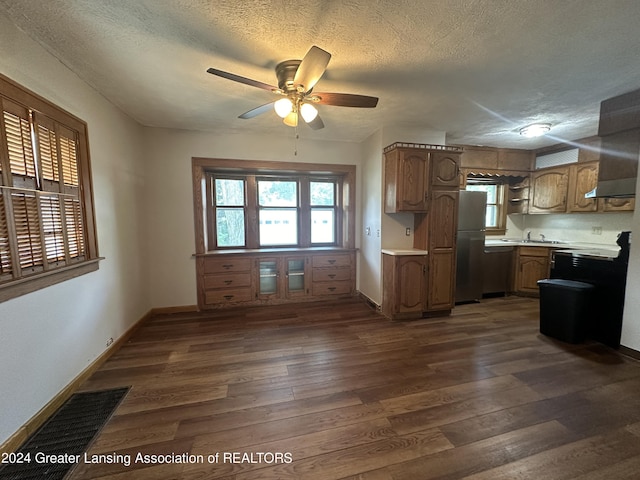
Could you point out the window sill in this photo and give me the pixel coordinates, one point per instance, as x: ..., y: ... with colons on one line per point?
x: 30, y: 284
x: 274, y: 250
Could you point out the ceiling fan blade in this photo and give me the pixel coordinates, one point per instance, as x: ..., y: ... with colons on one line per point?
x: 257, y: 111
x: 316, y: 123
x: 311, y: 68
x: 239, y: 79
x: 346, y: 100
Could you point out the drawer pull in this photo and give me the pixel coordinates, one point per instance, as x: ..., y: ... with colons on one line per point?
x: 331, y: 289
x: 332, y: 275
x: 228, y: 282
x: 227, y: 265
x: 228, y: 297
x: 332, y: 261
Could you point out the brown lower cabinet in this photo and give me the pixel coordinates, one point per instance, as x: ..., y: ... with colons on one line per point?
x: 404, y: 292
x: 532, y: 264
x: 256, y: 278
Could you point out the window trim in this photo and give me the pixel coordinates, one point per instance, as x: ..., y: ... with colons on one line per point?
x: 501, y: 204
x: 345, y: 226
x: 17, y: 94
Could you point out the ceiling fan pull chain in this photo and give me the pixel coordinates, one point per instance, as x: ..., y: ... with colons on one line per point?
x: 295, y: 145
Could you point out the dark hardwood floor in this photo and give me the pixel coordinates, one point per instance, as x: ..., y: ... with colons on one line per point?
x: 336, y: 391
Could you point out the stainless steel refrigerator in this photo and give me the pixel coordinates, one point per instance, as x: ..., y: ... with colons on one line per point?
x: 470, y: 245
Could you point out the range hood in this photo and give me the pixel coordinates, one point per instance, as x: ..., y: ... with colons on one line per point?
x: 619, y: 129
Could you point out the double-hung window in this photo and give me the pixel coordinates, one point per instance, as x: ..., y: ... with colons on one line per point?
x: 324, y: 211
x: 46, y: 210
x: 256, y: 208
x: 229, y: 204
x: 278, y: 212
x: 495, y: 217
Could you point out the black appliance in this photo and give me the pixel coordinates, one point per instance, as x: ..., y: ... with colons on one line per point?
x: 607, y: 272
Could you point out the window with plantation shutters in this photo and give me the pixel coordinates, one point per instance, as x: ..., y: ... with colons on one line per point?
x: 47, y: 227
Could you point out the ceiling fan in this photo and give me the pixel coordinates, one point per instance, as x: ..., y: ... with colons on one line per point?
x: 296, y: 79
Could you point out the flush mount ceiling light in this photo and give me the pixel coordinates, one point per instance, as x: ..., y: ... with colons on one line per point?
x: 535, y: 129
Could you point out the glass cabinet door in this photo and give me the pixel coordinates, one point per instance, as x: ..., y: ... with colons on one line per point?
x: 268, y: 280
x: 295, y: 275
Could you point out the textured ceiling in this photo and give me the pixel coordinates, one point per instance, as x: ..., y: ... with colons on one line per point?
x: 477, y: 70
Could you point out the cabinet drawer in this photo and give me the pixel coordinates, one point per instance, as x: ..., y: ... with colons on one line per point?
x: 218, y: 265
x: 227, y: 295
x: 228, y: 280
x: 331, y: 288
x: 338, y: 260
x: 331, y: 274
x: 534, y: 251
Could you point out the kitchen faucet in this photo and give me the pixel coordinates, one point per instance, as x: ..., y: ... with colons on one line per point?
x: 542, y: 237
x: 529, y: 236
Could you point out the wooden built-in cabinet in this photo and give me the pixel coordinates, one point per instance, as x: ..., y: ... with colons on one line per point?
x: 532, y: 264
x: 442, y: 221
x: 425, y: 180
x: 406, y: 177
x: 488, y: 159
x: 282, y: 277
x: 617, y: 204
x: 583, y: 177
x: 226, y: 279
x: 404, y: 287
x: 332, y: 274
x: 549, y: 190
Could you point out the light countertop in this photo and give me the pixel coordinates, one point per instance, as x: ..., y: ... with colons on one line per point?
x: 565, y: 245
x: 404, y: 251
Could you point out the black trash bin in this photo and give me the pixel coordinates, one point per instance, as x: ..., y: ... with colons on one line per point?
x: 566, y: 309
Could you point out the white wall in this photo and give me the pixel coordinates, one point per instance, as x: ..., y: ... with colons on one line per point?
x: 170, y: 194
x: 631, y: 318
x: 48, y: 337
x: 370, y: 262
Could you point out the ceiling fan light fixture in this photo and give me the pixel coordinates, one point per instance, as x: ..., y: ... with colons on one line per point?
x: 283, y: 107
x: 308, y: 112
x: 535, y: 129
x: 291, y: 119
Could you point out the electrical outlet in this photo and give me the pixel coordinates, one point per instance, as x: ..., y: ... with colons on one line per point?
x: 407, y: 232
x: 378, y: 233
x: 110, y: 341
x: 596, y: 230
x: 367, y: 231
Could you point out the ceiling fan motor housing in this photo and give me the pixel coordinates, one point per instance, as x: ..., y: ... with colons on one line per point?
x: 285, y: 73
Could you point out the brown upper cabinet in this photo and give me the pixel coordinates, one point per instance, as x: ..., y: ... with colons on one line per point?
x: 549, y: 189
x: 412, y: 169
x: 583, y: 178
x: 445, y: 169
x: 490, y: 158
x: 406, y: 181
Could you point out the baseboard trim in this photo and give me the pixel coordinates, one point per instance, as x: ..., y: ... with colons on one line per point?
x: 19, y: 437
x: 629, y: 352
x: 368, y: 301
x: 170, y: 310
